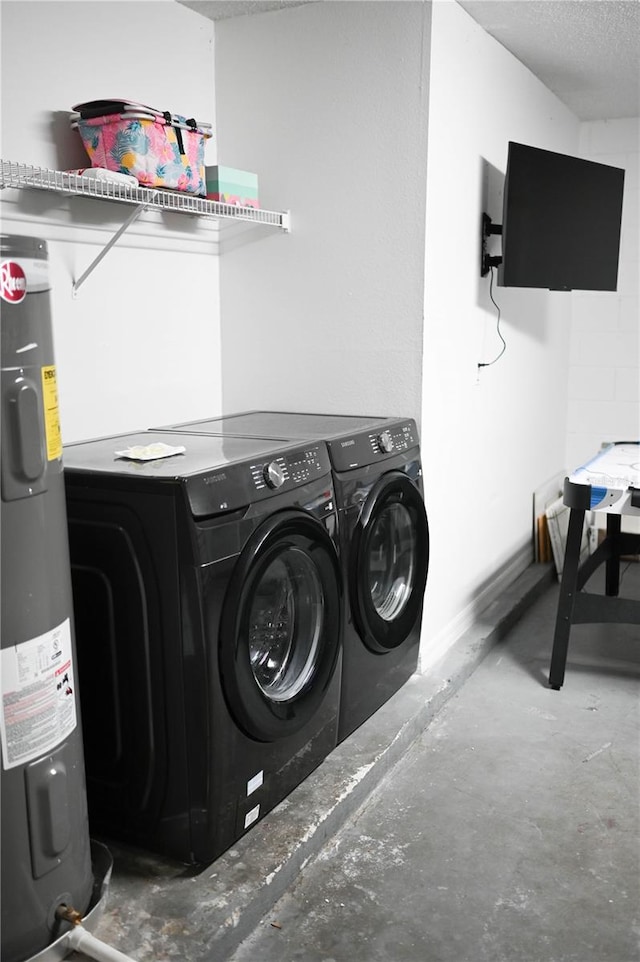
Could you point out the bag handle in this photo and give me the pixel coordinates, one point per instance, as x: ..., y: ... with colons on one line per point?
x: 169, y: 121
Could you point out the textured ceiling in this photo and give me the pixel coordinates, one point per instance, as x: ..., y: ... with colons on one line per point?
x: 223, y: 9
x: 586, y: 51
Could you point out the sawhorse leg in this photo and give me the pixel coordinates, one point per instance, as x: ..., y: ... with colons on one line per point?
x: 566, y: 601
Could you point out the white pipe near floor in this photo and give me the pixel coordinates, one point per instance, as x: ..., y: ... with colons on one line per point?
x: 81, y: 940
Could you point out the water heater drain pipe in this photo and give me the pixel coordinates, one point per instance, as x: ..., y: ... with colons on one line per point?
x: 82, y: 941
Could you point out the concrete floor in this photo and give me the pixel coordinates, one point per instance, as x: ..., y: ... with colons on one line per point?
x: 508, y: 832
x: 478, y: 817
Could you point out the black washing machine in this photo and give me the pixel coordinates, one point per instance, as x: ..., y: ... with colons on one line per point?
x: 384, y: 542
x: 207, y: 599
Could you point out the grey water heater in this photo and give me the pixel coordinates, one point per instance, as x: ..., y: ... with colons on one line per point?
x: 46, y: 858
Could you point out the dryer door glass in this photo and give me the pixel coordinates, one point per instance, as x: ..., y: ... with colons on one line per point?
x: 285, y: 624
x: 389, y: 558
x: 391, y: 561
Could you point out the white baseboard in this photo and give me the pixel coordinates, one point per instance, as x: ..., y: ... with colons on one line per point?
x: 432, y: 649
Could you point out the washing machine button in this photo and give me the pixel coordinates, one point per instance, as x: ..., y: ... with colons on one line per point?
x: 274, y: 474
x: 386, y: 442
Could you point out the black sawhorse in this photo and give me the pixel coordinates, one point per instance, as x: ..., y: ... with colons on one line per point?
x: 576, y: 606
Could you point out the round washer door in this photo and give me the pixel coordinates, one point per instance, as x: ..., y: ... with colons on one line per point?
x: 389, y: 560
x: 281, y: 624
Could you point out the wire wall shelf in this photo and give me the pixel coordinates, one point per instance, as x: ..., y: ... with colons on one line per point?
x: 41, y: 178
x: 19, y: 175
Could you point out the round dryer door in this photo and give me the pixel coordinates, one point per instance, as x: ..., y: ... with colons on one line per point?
x: 280, y: 632
x: 389, y: 562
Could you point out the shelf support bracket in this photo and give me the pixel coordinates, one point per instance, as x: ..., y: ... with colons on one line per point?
x: 105, y: 250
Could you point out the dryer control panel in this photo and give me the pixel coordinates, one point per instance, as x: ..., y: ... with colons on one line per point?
x: 369, y: 447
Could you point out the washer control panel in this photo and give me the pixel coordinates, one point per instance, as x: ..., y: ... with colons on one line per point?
x: 236, y: 485
x: 289, y: 470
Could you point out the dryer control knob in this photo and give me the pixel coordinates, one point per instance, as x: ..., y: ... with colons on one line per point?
x: 386, y: 442
x: 274, y: 474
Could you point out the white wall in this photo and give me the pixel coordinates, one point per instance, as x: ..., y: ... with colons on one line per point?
x: 604, y: 372
x: 490, y: 437
x: 328, y: 104
x: 141, y: 342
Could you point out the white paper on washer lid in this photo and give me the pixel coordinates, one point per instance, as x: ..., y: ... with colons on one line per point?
x: 151, y: 452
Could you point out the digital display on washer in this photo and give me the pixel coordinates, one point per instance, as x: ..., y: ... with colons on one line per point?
x: 306, y: 466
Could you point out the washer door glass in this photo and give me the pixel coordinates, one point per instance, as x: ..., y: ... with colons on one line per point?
x: 280, y: 630
x: 391, y: 561
x: 285, y: 625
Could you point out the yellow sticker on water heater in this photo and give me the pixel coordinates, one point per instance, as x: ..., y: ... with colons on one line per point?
x: 52, y: 431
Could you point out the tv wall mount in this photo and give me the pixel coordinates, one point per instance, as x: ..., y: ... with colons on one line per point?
x: 487, y: 261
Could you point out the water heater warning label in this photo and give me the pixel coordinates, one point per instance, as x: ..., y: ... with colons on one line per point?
x: 51, y: 413
x: 38, y: 696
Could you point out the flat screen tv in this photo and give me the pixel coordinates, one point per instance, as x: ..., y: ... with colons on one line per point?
x: 560, y: 222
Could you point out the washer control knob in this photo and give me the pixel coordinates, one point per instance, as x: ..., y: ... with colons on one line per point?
x: 386, y: 442
x: 274, y: 475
